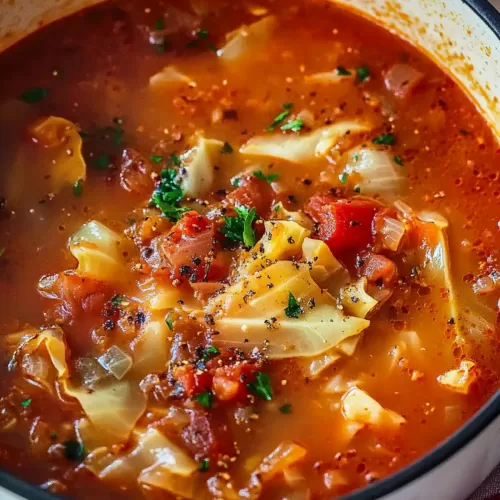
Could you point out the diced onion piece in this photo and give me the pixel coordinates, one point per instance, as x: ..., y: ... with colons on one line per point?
x: 116, y: 362
x: 168, y: 75
x: 460, y: 379
x: 90, y: 371
x: 248, y: 39
x: 339, y: 384
x: 401, y: 79
x: 63, y: 146
x: 405, y: 210
x: 393, y: 232
x: 99, y: 252
x: 299, y: 148
x: 434, y: 218
x: 356, y: 301
x: 334, y: 479
x: 317, y: 365
x: 361, y: 408
x: 378, y: 172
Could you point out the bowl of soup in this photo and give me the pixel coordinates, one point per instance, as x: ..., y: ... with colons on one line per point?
x: 249, y: 249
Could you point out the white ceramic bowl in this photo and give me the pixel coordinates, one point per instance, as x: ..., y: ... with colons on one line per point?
x: 463, y: 37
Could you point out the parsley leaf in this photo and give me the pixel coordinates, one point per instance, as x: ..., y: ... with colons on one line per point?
x: 362, y: 73
x: 239, y: 228
x: 294, y: 125
x: 210, y: 352
x: 202, y: 34
x: 73, y: 450
x: 169, y: 322
x: 293, y: 309
x: 174, y: 160
x: 78, y: 188
x: 280, y: 117
x: 204, y: 465
x: 168, y: 194
x: 160, y: 24
x: 342, y: 71
x: 116, y: 300
x: 26, y: 403
x: 261, y: 386
x: 34, y: 95
x: 388, y: 139
x: 343, y: 178
x: 205, y: 399
x: 398, y: 160
x: 286, y: 408
x: 263, y: 177
x: 102, y: 161
x: 156, y: 158
x: 226, y: 148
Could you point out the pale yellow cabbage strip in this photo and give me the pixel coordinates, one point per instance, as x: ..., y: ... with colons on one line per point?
x: 460, y: 379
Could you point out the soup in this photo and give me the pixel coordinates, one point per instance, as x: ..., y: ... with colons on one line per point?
x: 234, y: 264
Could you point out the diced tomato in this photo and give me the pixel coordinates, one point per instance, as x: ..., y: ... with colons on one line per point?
x: 252, y: 192
x: 376, y: 268
x: 343, y: 224
x: 83, y: 294
x: 192, y: 380
x: 230, y: 382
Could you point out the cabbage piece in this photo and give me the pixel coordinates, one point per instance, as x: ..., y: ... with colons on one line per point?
x: 392, y: 233
x: 339, y: 384
x: 281, y: 213
x: 304, y: 147
x: 63, y: 146
x: 162, y: 296
x: 168, y: 75
x: 361, y: 408
x: 93, y: 437
x: 315, y: 366
x: 151, y: 350
x: 460, y: 379
x: 155, y: 461
x: 99, y: 252
x: 356, y: 301
x: 265, y: 294
x: 311, y: 334
x: 116, y: 361
x: 247, y: 40
x: 281, y: 240
x: 379, y: 174
x: 113, y: 408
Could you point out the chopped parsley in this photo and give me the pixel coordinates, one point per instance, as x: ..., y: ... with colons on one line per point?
x: 212, y: 48
x: 357, y: 189
x: 342, y: 71
x: 101, y: 162
x: 398, y: 160
x: 286, y: 408
x: 169, y: 322
x: 261, y: 387
x: 168, y: 194
x: 205, y: 399
x: 270, y: 178
x: 83, y: 134
x: 295, y: 125
x: 236, y: 181
x: 277, y: 207
x: 174, y: 160
x: 226, y: 148
x: 210, y: 352
x: 73, y: 450
x: 34, y: 95
x: 387, y: 139
x: 280, y: 116
x: 239, y: 228
x: 116, y: 300
x: 78, y: 188
x: 204, y: 465
x: 293, y: 309
x: 362, y: 74
x: 343, y: 178
x: 156, y: 158
x: 160, y: 24
x: 161, y: 45
x: 202, y: 34
x: 26, y: 403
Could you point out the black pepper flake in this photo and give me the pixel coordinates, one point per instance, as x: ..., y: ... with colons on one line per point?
x: 451, y: 321
x: 229, y: 114
x: 291, y: 240
x: 209, y: 320
x: 109, y: 324
x: 270, y: 285
x: 196, y: 261
x: 147, y: 252
x: 379, y: 282
x: 140, y: 318
x: 292, y: 199
x: 184, y: 270
x: 307, y: 182
x: 354, y: 223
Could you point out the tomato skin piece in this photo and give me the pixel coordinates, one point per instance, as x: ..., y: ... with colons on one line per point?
x: 192, y: 381
x: 252, y: 193
x: 230, y: 382
x: 343, y: 224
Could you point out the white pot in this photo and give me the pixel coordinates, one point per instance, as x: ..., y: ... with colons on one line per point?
x: 463, y: 37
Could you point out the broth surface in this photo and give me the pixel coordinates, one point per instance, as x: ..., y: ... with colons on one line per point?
x: 93, y: 69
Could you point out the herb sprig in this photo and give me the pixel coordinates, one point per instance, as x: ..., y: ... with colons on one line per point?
x: 270, y: 178
x: 280, y: 117
x: 261, y: 387
x: 168, y: 194
x: 239, y: 228
x: 294, y: 309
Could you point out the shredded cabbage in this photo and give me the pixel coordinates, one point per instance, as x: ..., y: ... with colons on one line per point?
x: 151, y: 350
x: 460, y: 379
x: 168, y: 75
x: 356, y: 301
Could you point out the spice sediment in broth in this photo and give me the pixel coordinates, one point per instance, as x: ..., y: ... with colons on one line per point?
x: 275, y: 261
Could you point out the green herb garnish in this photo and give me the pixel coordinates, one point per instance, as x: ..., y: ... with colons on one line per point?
x: 83, y: 135
x: 294, y: 125
x: 102, y: 161
x: 387, y: 139
x: 270, y: 178
x: 73, y: 450
x: 286, y: 408
x: 226, y: 148
x: 239, y: 228
x: 156, y: 158
x: 236, y: 182
x: 202, y: 34
x: 168, y: 194
x: 212, y: 48
x: 357, y: 189
x: 293, y: 310
x: 398, y: 160
x: 169, y: 322
x: 362, y: 74
x: 34, y: 95
x: 174, y: 160
x: 78, y: 188
x: 281, y: 116
x: 343, y: 178
x: 26, y: 403
x: 342, y: 71
x: 116, y: 300
x: 205, y: 398
x: 261, y: 387
x: 160, y: 24
x: 210, y: 352
x: 204, y: 465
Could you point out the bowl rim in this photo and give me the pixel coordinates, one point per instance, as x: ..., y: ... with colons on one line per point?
x: 435, y: 457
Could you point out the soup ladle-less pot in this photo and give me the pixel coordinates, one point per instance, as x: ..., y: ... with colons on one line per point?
x: 463, y: 37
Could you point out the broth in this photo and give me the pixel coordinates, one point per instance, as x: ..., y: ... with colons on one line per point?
x: 342, y: 411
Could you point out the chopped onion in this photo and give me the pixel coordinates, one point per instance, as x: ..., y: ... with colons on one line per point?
x: 90, y: 371
x: 393, y: 232
x: 434, y: 218
x: 35, y: 367
x: 403, y: 209
x: 115, y: 361
x: 401, y: 79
